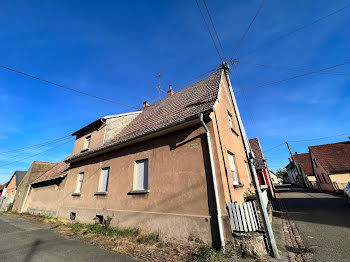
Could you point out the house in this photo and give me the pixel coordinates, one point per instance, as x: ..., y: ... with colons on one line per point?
x: 36, y: 169
x: 44, y: 197
x: 11, y: 188
x: 274, y: 179
x: 331, y: 165
x: 170, y: 167
x: 300, y: 171
x: 261, y: 167
x: 3, y: 189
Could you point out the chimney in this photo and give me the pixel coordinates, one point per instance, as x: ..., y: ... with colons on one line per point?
x: 170, y: 91
x: 145, y: 104
x: 295, y: 153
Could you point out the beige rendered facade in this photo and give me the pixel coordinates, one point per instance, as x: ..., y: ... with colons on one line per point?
x: 178, y: 200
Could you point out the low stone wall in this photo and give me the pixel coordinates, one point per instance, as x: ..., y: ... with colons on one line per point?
x: 171, y: 227
x: 44, y: 212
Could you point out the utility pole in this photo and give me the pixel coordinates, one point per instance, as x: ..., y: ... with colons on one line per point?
x: 250, y: 157
x: 291, y: 155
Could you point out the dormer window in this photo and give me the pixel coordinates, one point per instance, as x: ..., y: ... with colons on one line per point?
x: 87, y: 142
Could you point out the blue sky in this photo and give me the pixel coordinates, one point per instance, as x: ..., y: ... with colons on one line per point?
x: 114, y: 50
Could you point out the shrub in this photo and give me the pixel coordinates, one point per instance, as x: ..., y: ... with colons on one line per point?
x: 207, y: 254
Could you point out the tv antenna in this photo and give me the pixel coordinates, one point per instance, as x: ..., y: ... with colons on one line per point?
x: 159, y: 83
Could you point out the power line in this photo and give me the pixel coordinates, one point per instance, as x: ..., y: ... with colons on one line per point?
x: 208, y: 29
x: 36, y: 154
x: 295, y: 69
x: 273, y: 147
x: 293, y: 31
x: 37, y: 145
x: 216, y: 33
x: 312, y: 139
x: 62, y: 86
x: 248, y: 28
x: 294, y: 77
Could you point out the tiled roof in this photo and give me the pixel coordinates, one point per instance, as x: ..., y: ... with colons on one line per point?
x: 333, y: 157
x: 255, y: 146
x: 4, y: 185
x: 188, y: 102
x: 55, y: 172
x: 304, y: 161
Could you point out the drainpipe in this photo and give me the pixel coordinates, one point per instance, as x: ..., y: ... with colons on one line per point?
x: 25, y: 199
x: 218, y: 210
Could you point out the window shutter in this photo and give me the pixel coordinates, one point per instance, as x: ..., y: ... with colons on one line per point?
x: 80, y: 182
x: 141, y: 175
x: 104, y: 179
x: 233, y: 169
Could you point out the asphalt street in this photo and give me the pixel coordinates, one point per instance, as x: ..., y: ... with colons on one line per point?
x: 22, y: 241
x: 323, y: 221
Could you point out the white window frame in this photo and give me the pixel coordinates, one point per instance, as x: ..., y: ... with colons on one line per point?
x: 87, y: 142
x: 103, y: 186
x: 248, y: 173
x: 230, y: 120
x: 233, y: 168
x: 80, y: 181
x: 144, y: 177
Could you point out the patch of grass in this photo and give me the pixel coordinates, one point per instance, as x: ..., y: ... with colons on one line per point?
x: 77, y: 227
x: 207, y: 254
x: 148, y: 239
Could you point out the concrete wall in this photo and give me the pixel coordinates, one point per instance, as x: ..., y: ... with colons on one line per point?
x: 319, y: 170
x: 36, y: 170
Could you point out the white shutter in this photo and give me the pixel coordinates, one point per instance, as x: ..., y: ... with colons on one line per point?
x: 233, y: 169
x: 80, y: 182
x: 141, y: 179
x: 104, y: 179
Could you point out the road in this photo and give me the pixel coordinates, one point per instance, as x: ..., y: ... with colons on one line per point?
x: 323, y: 221
x: 22, y: 241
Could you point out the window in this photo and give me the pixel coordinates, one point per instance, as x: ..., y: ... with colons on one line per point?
x: 141, y: 175
x: 230, y: 120
x: 325, y: 178
x: 316, y: 163
x: 80, y: 182
x: 247, y: 170
x: 231, y: 161
x: 104, y: 180
x: 320, y: 178
x: 87, y: 142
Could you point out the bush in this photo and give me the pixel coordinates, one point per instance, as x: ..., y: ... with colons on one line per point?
x: 249, y: 195
x: 207, y: 254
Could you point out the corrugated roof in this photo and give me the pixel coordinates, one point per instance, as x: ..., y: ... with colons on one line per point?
x: 188, y: 102
x: 304, y: 161
x: 333, y: 157
x: 259, y: 158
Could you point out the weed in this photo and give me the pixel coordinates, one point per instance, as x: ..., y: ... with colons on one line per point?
x: 207, y: 254
x: 147, y: 239
x: 77, y: 227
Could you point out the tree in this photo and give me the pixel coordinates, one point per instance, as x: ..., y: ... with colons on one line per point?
x: 281, y: 172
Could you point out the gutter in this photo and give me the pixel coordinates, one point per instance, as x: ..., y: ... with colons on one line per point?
x: 213, y: 174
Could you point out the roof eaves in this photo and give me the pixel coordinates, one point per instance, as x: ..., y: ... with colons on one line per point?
x: 52, y: 178
x: 117, y: 143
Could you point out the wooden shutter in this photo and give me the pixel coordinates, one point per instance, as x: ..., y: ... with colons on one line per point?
x: 104, y: 179
x: 141, y: 180
x: 80, y: 182
x: 233, y: 169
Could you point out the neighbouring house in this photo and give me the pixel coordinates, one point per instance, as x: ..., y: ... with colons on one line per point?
x: 261, y: 167
x: 300, y: 171
x: 3, y: 189
x: 331, y: 165
x: 36, y: 169
x: 154, y: 168
x: 274, y: 179
x: 44, y: 197
x: 11, y: 189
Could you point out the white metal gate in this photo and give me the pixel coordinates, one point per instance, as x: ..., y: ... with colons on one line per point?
x: 243, y: 216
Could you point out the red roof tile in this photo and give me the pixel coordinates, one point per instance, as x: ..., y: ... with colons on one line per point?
x: 333, y: 157
x: 259, y: 158
x: 304, y: 161
x: 188, y: 102
x: 55, y: 172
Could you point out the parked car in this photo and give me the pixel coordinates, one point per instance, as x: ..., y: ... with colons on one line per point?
x: 347, y: 192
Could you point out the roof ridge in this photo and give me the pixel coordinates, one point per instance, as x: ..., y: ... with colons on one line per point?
x: 331, y: 144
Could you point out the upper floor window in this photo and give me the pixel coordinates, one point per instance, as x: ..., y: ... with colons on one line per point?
x: 325, y: 178
x: 80, y: 182
x: 316, y: 162
x: 320, y: 178
x: 87, y: 142
x: 104, y: 180
x: 231, y: 160
x: 230, y: 120
x: 141, y: 175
